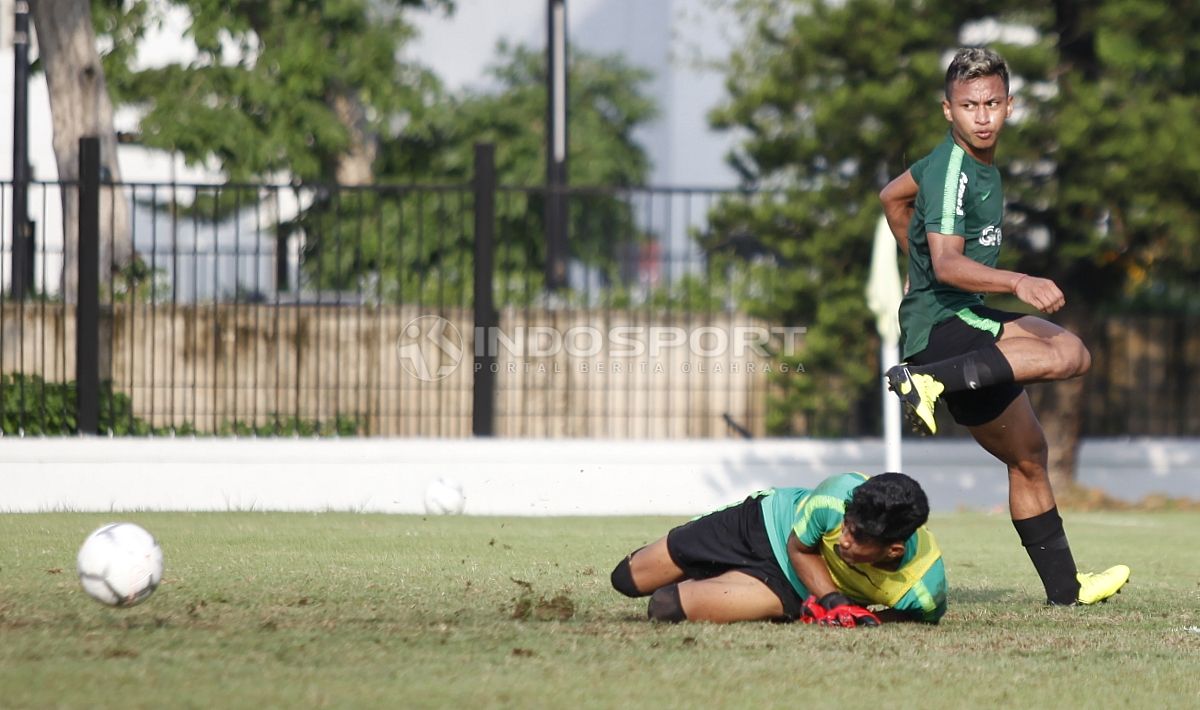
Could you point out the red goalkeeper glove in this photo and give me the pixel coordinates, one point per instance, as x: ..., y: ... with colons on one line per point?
x: 811, y: 612
x: 849, y: 616
x: 840, y: 611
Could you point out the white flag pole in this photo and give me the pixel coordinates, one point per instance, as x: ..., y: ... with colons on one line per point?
x: 889, y: 354
x: 884, y: 292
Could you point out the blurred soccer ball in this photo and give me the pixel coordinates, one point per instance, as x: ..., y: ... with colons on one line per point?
x: 444, y: 497
x: 120, y: 564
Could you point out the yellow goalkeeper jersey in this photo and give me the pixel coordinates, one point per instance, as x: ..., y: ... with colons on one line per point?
x: 917, y: 586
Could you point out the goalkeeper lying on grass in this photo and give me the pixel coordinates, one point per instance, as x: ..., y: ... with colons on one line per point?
x: 820, y: 556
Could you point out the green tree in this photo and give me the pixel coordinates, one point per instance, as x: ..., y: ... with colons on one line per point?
x: 607, y: 103
x: 836, y: 97
x: 314, y: 91
x: 300, y: 87
x: 433, y: 263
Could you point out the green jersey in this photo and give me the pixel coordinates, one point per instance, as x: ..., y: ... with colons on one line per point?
x: 916, y: 587
x: 958, y: 196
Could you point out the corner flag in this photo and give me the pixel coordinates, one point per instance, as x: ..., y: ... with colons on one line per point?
x: 883, y: 285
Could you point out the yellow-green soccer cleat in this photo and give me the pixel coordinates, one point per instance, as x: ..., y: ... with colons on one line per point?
x: 919, y: 392
x: 1095, y: 587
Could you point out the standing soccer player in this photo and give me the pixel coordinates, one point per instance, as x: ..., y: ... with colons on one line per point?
x: 946, y: 213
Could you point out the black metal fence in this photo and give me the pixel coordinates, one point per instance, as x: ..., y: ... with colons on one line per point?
x: 428, y: 310
x: 424, y: 310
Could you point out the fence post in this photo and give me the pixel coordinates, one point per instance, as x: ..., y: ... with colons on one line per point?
x: 87, y: 308
x: 22, y: 245
x: 556, y: 144
x: 483, y: 416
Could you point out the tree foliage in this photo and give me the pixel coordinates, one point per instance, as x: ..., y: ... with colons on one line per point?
x: 433, y: 262
x: 261, y: 95
x: 1105, y: 201
x: 606, y: 103
x: 31, y: 406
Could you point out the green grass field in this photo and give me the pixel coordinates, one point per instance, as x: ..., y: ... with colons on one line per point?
x: 333, y: 609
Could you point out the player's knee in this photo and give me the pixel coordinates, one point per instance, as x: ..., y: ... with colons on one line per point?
x: 1073, y: 358
x: 622, y: 579
x: 665, y: 605
x: 1084, y: 360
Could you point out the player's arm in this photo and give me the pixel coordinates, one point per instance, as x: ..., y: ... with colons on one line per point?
x: 953, y: 267
x: 825, y: 605
x: 810, y: 567
x: 899, y: 199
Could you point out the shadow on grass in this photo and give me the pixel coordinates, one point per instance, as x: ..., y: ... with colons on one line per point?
x: 960, y: 595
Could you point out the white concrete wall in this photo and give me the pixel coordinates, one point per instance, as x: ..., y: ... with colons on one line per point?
x: 519, y: 477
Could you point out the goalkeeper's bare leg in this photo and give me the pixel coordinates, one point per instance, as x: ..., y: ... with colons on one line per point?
x: 727, y: 597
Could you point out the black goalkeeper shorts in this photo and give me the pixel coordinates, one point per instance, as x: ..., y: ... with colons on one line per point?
x: 955, y: 336
x: 732, y: 539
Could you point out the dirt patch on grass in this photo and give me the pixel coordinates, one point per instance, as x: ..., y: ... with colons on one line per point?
x: 119, y: 653
x: 530, y: 605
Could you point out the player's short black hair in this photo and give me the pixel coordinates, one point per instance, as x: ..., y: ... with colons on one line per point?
x: 975, y: 62
x: 888, y: 508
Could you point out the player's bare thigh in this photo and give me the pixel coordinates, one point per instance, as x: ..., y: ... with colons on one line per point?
x: 652, y: 567
x: 1032, y: 327
x: 728, y: 597
x: 1049, y: 351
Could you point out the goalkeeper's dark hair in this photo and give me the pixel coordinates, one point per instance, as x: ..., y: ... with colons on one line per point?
x: 888, y: 508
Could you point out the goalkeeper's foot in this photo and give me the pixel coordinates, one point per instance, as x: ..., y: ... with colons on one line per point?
x: 919, y: 392
x: 1095, y: 587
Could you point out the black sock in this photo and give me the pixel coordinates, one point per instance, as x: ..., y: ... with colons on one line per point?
x: 1048, y: 549
x: 976, y: 369
x: 622, y: 579
x: 665, y: 605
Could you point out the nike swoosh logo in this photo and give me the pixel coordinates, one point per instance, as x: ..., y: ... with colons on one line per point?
x: 985, y: 196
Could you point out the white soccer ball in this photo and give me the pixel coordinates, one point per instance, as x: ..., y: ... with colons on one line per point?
x: 120, y: 564
x: 444, y: 496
